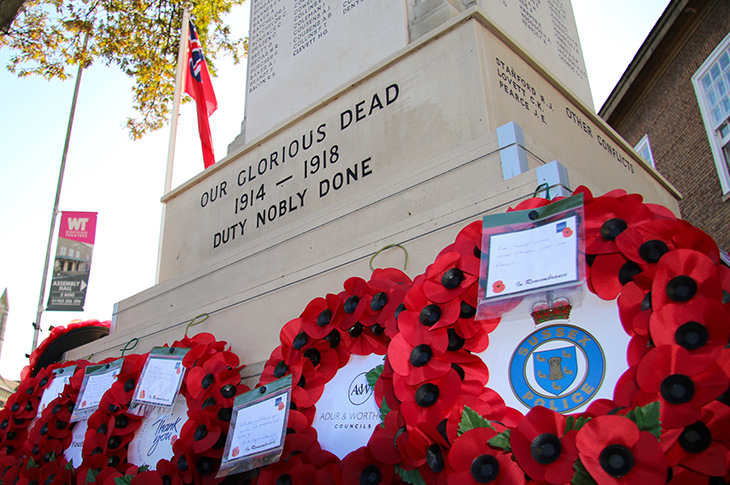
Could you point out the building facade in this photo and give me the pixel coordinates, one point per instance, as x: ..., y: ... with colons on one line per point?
x: 673, y: 105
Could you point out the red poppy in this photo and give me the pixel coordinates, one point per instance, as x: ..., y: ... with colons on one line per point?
x: 487, y: 404
x: 362, y: 340
x: 360, y: 466
x: 626, y: 389
x: 417, y: 363
x: 445, y: 280
x: 468, y: 244
x: 428, y: 402
x: 679, y: 382
x: 684, y: 274
x: 425, y: 322
x: 614, y: 451
x: 609, y: 273
x: 147, y: 478
x: 702, y: 326
x: 701, y: 446
x: 169, y: 472
x: 607, y: 217
x: 638, y: 347
x: 321, y: 316
x: 498, y: 286
x: 199, y: 434
x: 635, y: 304
x: 646, y: 243
x: 473, y: 461
x: 294, y: 471
x: 309, y: 387
x: 355, y: 299
x: 382, y: 443
x: 542, y: 448
x: 214, y: 378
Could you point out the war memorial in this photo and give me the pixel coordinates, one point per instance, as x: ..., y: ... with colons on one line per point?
x: 398, y: 163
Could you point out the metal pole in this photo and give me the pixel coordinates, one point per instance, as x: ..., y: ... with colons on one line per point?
x: 179, y: 87
x: 37, y: 324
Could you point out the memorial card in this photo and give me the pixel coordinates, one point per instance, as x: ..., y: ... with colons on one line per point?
x: 532, y: 252
x: 532, y: 259
x: 55, y: 388
x: 160, y: 380
x: 258, y: 428
x: 97, y: 380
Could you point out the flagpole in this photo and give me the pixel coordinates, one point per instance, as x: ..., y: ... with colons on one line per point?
x: 179, y: 80
x: 37, y: 323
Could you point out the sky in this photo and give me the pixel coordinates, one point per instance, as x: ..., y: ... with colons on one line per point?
x: 123, y: 180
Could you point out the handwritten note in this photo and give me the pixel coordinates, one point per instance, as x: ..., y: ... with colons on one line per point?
x: 55, y: 388
x: 96, y: 386
x: 258, y: 427
x: 160, y: 381
x: 524, y: 261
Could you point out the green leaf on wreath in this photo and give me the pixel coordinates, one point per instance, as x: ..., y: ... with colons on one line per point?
x: 384, y: 410
x: 373, y: 375
x: 125, y: 480
x: 143, y: 468
x: 647, y: 418
x: 31, y: 464
x: 69, y: 465
x: 501, y: 441
x: 581, y: 476
x: 410, y: 476
x: 571, y: 423
x: 470, y: 419
x: 91, y: 476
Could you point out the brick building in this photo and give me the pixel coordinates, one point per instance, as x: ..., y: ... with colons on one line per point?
x: 673, y: 105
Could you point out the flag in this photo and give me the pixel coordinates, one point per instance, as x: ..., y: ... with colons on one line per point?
x: 199, y: 87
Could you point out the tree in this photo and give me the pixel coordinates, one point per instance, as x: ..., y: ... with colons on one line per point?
x: 139, y: 36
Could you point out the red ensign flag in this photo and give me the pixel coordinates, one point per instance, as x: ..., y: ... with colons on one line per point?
x: 198, y: 85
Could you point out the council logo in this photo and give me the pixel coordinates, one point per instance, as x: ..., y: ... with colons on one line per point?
x: 359, y: 390
x: 560, y: 367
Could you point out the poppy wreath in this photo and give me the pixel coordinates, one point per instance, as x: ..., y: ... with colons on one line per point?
x: 670, y: 414
x: 51, y: 434
x: 360, y: 320
x: 211, y: 382
x: 57, y: 332
x: 16, y: 418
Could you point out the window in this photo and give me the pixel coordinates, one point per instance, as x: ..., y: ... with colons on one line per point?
x: 644, y: 149
x: 712, y: 86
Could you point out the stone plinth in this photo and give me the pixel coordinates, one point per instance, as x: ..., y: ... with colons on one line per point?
x: 460, y: 123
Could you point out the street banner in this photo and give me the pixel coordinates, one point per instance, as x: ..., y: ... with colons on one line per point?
x: 73, y: 261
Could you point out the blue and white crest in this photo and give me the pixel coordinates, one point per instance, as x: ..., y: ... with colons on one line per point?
x: 560, y: 367
x: 555, y: 369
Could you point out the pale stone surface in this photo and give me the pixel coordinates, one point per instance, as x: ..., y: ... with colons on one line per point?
x: 547, y: 30
x: 428, y: 163
x: 303, y: 49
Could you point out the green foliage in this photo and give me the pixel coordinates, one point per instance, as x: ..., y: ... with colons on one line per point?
x: 571, y: 423
x: 141, y: 37
x: 470, y: 419
x: 91, y: 476
x: 125, y: 480
x: 410, y: 476
x: 373, y: 375
x: 501, y: 441
x: 384, y: 410
x: 581, y: 476
x: 647, y: 418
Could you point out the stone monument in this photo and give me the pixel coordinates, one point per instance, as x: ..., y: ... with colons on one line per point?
x: 370, y: 123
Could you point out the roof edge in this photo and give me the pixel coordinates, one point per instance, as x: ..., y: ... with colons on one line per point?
x: 652, y: 41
